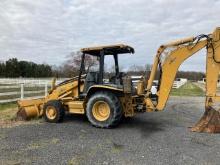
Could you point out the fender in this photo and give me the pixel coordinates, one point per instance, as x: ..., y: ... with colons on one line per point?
x: 95, y: 88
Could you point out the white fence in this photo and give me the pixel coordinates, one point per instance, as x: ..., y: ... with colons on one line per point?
x: 20, y: 93
x: 28, y: 81
x: 179, y: 82
x: 15, y: 89
x: 203, y: 81
x: 176, y: 84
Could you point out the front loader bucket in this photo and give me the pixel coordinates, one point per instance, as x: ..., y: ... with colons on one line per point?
x: 28, y: 109
x: 210, y: 122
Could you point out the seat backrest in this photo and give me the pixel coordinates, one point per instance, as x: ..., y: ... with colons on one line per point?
x: 91, y: 79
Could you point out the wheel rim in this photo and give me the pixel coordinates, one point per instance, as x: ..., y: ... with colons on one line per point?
x: 101, y: 111
x: 51, y: 112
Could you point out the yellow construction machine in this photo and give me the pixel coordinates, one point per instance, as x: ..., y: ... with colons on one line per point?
x: 105, y: 101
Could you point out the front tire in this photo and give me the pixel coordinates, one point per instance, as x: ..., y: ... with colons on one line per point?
x: 53, y: 111
x: 104, y: 110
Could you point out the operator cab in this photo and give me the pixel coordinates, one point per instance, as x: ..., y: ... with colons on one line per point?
x: 97, y: 77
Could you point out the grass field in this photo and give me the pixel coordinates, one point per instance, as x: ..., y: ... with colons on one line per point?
x: 3, y: 90
x: 8, y: 111
x: 1, y: 84
x: 25, y: 95
x: 188, y: 89
x: 7, y: 106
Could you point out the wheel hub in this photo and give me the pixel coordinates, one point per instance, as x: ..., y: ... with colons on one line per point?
x: 101, y: 111
x: 51, y: 112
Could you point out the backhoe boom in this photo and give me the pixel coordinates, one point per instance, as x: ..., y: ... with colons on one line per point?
x: 181, y: 50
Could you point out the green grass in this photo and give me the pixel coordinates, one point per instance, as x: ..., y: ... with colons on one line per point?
x: 6, y: 97
x: 188, y: 89
x: 5, y: 106
x: 8, y: 111
x: 3, y: 90
x: 7, y: 84
x: 34, y: 94
x: 18, y: 96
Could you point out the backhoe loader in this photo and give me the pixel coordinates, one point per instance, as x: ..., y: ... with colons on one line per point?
x: 105, y: 102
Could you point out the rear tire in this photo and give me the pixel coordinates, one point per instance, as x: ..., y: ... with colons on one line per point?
x: 53, y: 111
x: 104, y: 110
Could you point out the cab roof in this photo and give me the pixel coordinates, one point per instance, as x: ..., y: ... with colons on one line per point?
x: 108, y: 49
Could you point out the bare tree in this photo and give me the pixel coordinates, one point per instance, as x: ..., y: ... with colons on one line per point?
x: 72, y: 64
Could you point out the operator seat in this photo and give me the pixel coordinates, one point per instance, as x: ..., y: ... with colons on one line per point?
x: 117, y: 79
x: 91, y: 79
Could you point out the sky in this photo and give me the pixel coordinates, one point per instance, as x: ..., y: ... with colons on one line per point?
x: 46, y: 31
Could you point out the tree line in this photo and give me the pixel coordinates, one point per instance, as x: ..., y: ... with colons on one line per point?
x: 70, y: 68
x: 190, y: 75
x: 145, y: 70
x: 13, y: 68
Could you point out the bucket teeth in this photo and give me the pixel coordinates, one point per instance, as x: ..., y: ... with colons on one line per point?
x: 209, y: 122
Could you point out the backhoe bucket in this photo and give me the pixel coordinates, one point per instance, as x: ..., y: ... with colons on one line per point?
x: 210, y: 122
x: 28, y: 109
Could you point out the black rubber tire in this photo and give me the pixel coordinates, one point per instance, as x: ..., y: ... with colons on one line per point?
x: 60, y: 111
x: 115, y: 109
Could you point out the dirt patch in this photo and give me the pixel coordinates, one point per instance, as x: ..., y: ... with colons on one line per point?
x: 8, y: 114
x: 15, y: 123
x: 42, y: 143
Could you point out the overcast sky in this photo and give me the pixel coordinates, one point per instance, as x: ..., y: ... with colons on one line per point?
x: 48, y: 30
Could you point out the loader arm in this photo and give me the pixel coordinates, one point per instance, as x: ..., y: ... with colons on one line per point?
x: 181, y: 50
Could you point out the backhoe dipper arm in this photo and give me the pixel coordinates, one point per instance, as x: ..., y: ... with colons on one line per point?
x: 183, y: 49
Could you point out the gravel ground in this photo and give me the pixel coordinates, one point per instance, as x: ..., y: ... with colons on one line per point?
x: 148, y: 138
